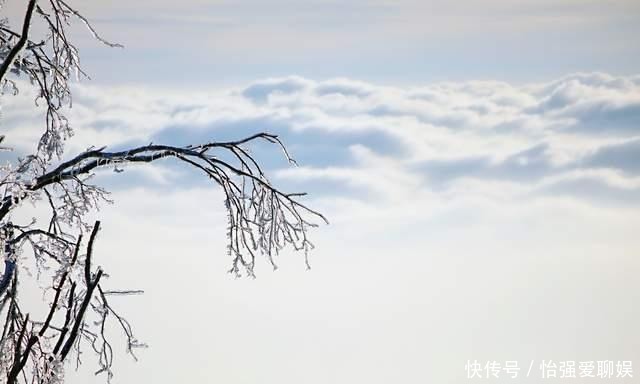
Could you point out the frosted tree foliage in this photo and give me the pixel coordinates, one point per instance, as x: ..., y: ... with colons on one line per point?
x: 36, y: 348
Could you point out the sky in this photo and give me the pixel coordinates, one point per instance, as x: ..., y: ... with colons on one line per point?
x: 209, y: 43
x: 477, y: 161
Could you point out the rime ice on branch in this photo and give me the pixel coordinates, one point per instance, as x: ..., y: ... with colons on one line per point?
x: 262, y: 219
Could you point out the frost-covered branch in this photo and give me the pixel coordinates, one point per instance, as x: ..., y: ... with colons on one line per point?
x: 43, y: 347
x: 262, y: 219
x: 50, y: 63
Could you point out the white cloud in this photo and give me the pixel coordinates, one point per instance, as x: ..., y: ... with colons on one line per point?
x: 390, y: 141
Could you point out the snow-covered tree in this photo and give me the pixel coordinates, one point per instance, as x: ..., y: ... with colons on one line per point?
x: 262, y: 219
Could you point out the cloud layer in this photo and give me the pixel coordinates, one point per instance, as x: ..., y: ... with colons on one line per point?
x: 577, y: 136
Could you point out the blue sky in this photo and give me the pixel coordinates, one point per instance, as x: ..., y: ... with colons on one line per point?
x: 478, y: 162
x: 208, y: 43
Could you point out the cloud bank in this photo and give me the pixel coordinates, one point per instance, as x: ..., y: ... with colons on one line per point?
x: 362, y: 143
